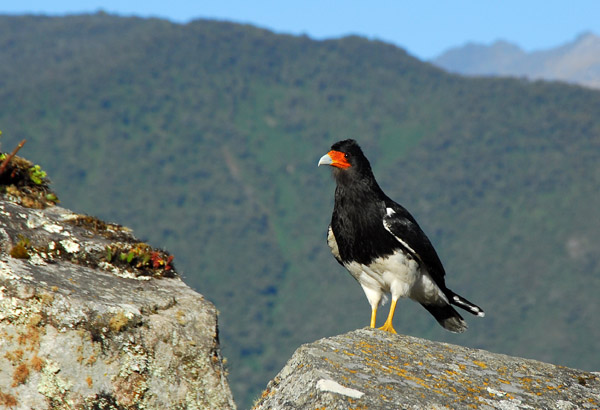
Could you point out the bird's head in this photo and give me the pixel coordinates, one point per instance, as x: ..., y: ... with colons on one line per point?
x: 346, y: 157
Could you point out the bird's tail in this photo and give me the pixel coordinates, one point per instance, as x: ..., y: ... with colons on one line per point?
x: 463, y: 303
x: 447, y: 316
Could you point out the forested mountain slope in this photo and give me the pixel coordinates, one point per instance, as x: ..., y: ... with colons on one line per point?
x: 204, y: 138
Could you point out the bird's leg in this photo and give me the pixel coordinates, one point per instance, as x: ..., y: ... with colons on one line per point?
x: 387, y: 326
x: 373, y: 316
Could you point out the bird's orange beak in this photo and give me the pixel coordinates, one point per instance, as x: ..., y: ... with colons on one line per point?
x: 335, y: 159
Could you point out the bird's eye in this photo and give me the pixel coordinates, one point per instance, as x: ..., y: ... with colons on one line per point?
x: 346, y: 155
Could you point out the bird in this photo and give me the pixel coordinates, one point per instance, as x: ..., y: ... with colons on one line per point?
x: 383, y: 247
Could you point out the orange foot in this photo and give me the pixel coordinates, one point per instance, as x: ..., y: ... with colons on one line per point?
x: 387, y: 327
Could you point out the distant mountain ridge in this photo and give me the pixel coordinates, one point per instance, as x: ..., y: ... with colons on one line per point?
x: 575, y: 62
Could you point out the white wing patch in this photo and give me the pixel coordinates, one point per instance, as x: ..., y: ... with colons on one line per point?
x: 386, y: 225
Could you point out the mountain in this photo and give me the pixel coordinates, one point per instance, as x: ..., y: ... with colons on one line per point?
x: 577, y: 62
x: 204, y: 139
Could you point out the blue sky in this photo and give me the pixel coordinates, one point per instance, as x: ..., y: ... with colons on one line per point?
x: 424, y: 27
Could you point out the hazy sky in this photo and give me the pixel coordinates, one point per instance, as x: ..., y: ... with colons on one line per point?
x: 424, y: 27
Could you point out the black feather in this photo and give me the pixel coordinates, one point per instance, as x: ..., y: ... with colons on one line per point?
x: 448, y: 317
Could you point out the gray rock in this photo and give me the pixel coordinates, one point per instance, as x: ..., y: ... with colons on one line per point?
x: 83, y: 328
x: 371, y: 369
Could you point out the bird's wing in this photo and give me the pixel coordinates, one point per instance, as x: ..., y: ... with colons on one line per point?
x: 401, y: 224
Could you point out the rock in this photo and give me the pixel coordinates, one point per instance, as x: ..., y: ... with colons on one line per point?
x: 371, y: 369
x: 91, y: 318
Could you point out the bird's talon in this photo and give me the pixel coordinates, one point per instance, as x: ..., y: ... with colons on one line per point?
x: 387, y: 327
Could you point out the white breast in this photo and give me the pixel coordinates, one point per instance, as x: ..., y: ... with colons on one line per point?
x: 394, y: 274
x: 398, y: 275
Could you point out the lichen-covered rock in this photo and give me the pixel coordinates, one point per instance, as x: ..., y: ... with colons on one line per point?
x: 90, y: 318
x: 371, y: 369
